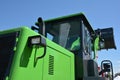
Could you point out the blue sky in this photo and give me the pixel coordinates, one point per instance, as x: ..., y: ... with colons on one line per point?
x: 100, y: 14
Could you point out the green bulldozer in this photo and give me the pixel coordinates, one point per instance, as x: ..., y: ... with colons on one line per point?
x: 63, y: 48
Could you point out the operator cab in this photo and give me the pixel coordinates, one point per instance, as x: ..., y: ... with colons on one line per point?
x: 75, y: 34
x: 70, y: 32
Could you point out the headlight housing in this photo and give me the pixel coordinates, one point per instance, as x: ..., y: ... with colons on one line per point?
x: 36, y: 40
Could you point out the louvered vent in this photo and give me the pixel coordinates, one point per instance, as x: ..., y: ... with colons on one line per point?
x: 51, y: 65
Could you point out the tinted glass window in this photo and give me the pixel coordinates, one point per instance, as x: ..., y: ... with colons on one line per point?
x: 87, y: 47
x: 7, y: 43
x: 64, y: 33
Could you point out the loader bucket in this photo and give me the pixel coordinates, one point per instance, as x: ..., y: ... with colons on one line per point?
x: 107, y: 38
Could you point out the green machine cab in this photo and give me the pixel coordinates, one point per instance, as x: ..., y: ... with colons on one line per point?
x: 63, y: 48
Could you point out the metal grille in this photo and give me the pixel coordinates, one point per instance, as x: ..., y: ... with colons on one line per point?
x: 51, y: 65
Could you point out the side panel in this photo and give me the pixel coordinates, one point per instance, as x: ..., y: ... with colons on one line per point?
x: 58, y: 64
x: 23, y: 63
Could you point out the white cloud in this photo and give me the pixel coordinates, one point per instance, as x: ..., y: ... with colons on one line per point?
x: 116, y: 67
x: 117, y: 78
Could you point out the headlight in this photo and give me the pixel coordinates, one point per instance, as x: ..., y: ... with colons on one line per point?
x: 36, y: 40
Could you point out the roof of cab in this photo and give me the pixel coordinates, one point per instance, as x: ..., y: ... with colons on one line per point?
x: 78, y: 15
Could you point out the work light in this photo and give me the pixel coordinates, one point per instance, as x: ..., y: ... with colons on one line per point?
x: 34, y: 40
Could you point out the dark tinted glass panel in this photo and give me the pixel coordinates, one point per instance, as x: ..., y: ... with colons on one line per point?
x: 7, y: 43
x: 64, y: 32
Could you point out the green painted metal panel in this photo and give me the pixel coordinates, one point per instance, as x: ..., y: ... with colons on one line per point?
x: 63, y: 63
x: 58, y: 63
x: 23, y: 63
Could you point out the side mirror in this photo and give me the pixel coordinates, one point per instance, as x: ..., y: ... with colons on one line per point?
x: 107, y: 69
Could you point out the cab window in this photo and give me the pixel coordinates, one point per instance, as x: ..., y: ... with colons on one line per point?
x: 65, y: 33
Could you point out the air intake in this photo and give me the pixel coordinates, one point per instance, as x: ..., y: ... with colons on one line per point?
x: 51, y: 65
